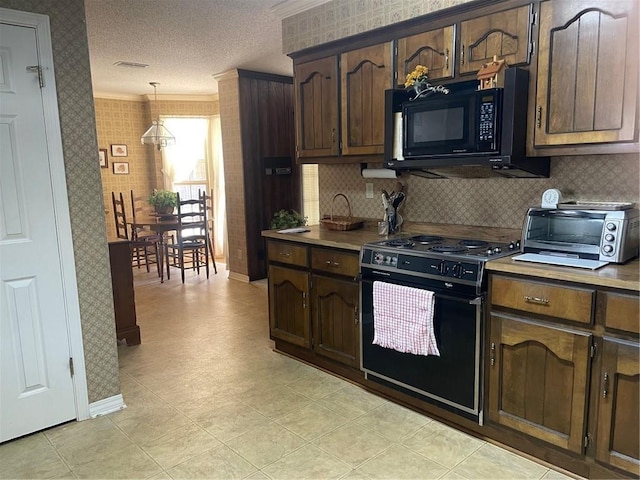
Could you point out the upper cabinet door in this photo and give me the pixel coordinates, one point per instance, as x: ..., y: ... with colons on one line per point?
x: 587, y: 81
x: 317, y: 108
x: 366, y: 73
x: 506, y: 35
x: 433, y: 49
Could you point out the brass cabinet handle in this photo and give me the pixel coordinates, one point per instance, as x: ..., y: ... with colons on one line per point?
x: 285, y: 254
x: 446, y: 59
x: 538, y: 300
x: 539, y: 117
x: 304, y: 301
x: 333, y: 135
x: 493, y: 354
x: 357, y: 315
x: 332, y: 264
x: 462, y: 55
x: 605, y: 383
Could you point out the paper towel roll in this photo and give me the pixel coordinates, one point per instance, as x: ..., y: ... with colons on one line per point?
x: 397, y: 136
x: 379, y: 173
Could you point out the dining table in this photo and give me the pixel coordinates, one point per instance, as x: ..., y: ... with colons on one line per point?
x: 160, y: 224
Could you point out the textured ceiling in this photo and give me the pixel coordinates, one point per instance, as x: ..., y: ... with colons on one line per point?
x: 184, y: 42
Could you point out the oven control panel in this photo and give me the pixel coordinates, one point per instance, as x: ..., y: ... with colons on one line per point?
x: 384, y: 259
x: 423, y: 266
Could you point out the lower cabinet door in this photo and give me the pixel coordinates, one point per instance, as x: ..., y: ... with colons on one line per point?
x: 289, y: 317
x: 538, y: 378
x: 618, y: 406
x: 336, y: 317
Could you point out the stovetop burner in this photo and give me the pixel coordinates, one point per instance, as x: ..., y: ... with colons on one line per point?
x: 449, y: 248
x: 400, y: 242
x: 470, y: 243
x: 427, y: 239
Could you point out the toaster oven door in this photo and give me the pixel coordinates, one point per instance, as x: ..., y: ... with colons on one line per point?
x: 564, y: 232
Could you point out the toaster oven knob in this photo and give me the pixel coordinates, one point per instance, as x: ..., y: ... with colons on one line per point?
x: 607, y: 249
x: 611, y: 227
x: 609, y: 238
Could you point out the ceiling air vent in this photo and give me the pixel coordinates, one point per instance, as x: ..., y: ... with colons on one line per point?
x: 131, y: 64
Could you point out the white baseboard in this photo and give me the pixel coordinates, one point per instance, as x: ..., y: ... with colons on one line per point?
x: 106, y: 406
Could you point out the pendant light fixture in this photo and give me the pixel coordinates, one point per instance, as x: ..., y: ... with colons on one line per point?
x: 157, y: 134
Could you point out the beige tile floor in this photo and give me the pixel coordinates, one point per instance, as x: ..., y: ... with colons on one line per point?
x: 208, y: 398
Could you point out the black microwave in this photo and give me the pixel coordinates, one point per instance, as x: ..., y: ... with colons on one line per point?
x: 464, y: 122
x: 466, y: 133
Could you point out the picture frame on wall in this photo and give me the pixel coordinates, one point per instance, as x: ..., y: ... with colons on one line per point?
x: 120, y: 168
x: 119, y: 150
x: 102, y: 154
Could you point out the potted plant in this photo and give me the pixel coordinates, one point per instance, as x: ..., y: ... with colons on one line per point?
x: 287, y: 219
x: 163, y: 201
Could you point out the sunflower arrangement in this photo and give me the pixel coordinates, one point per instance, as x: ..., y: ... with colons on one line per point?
x: 418, y: 76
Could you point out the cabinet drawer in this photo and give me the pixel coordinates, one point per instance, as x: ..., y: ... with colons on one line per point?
x: 334, y: 261
x: 569, y: 303
x: 285, y: 252
x: 622, y: 312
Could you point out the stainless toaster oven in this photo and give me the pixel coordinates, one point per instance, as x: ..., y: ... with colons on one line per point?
x: 602, y: 235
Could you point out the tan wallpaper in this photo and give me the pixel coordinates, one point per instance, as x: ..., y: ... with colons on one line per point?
x: 500, y: 202
x: 228, y: 89
x: 80, y: 147
x: 342, y: 18
x: 123, y: 122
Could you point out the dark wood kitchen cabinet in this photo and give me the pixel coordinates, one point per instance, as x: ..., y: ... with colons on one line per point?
x: 365, y: 74
x: 317, y: 107
x: 433, y: 49
x: 587, y: 75
x: 617, y: 393
x: 314, y: 300
x: 618, y: 406
x: 289, y: 310
x: 124, y: 302
x: 505, y: 34
x: 538, y: 380
x: 335, y: 305
x: 564, y: 368
x: 539, y: 365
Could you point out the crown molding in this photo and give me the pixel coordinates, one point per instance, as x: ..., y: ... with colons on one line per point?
x: 289, y: 8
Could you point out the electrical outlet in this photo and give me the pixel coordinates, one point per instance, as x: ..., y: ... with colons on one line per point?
x: 369, y: 190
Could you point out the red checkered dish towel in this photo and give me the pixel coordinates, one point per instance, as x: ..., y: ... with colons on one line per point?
x: 403, y: 319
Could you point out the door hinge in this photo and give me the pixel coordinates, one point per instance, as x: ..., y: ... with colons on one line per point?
x: 593, y: 349
x: 37, y: 69
x: 587, y: 441
x: 71, y: 370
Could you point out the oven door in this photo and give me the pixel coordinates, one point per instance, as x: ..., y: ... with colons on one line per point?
x: 452, y: 380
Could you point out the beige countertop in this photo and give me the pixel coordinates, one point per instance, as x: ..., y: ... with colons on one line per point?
x: 625, y: 276
x: 354, y: 239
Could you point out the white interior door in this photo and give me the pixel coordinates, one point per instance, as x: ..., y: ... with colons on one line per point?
x: 37, y: 389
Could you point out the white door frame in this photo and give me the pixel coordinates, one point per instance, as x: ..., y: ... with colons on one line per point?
x: 60, y: 199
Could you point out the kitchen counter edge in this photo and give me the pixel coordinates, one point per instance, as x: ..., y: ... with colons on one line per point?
x: 625, y: 276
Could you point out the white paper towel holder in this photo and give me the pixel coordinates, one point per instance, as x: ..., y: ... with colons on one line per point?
x: 367, y: 172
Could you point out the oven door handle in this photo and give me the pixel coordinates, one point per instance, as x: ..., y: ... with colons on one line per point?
x: 474, y: 301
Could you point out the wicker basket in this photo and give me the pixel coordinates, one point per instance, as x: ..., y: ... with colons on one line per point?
x: 341, y: 223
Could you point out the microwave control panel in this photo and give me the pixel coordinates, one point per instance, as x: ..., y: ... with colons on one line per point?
x: 488, y: 119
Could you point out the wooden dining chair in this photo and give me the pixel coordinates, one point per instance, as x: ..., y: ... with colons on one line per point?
x: 190, y: 249
x: 139, y: 206
x: 211, y: 222
x: 143, y: 252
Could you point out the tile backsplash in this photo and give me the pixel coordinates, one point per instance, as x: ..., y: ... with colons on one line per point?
x: 500, y: 202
